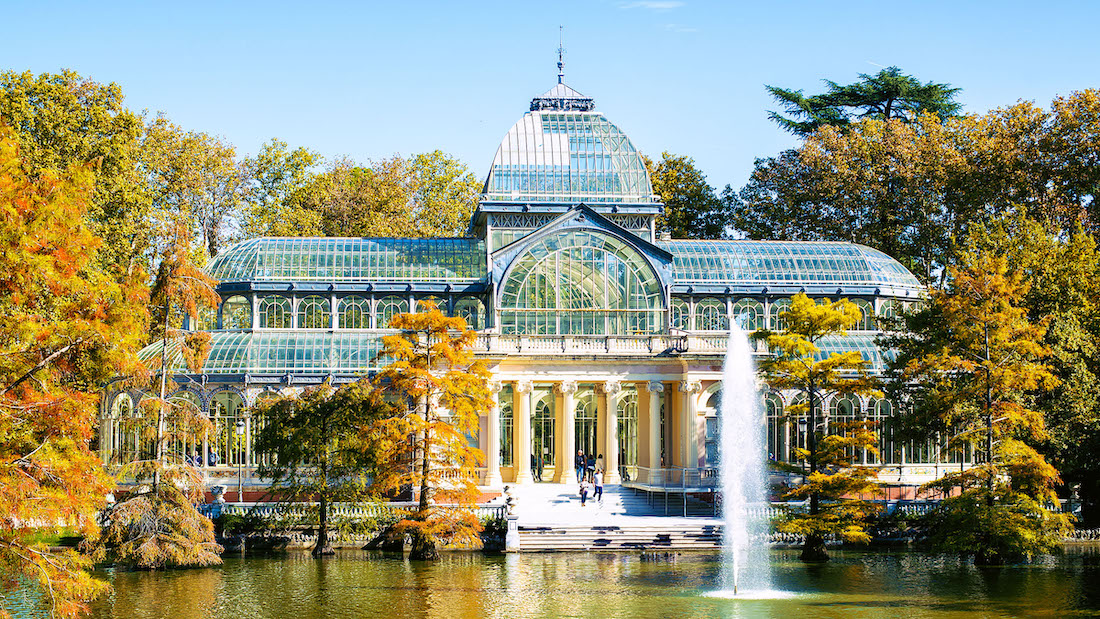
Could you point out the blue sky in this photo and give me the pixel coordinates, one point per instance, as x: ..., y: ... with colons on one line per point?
x: 367, y: 80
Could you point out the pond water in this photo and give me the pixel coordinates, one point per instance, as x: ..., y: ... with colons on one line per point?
x: 358, y: 584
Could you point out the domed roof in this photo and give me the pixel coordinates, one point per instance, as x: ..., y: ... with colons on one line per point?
x: 563, y: 152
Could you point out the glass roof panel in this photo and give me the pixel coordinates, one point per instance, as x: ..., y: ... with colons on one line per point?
x: 353, y: 260
x: 784, y: 262
x: 284, y: 352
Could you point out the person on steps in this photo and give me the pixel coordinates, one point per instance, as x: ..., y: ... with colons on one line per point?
x: 584, y: 491
x: 579, y: 463
x: 597, y: 494
x: 599, y: 464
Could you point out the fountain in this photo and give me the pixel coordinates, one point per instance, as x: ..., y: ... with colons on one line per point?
x: 745, y: 561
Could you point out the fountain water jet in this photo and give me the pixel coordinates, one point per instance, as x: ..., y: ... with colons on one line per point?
x: 745, y: 563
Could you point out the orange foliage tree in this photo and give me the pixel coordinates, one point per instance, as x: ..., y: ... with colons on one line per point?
x: 66, y: 326
x: 442, y: 393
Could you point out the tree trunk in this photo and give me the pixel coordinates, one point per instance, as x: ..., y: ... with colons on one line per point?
x: 813, y: 549
x: 158, y: 448
x: 322, y: 547
x: 424, y: 546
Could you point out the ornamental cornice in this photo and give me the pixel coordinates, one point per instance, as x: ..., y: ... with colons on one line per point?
x: 654, y: 386
x: 524, y: 386
x: 610, y: 387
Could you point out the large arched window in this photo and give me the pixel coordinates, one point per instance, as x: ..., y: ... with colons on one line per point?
x: 581, y: 282
x: 313, y: 313
x: 275, y: 312
x: 778, y: 306
x: 844, y: 412
x: 887, y: 313
x: 387, y: 308
x: 867, y: 316
x: 543, y: 436
x: 777, y: 427
x: 472, y: 311
x: 229, y: 448
x: 237, y: 313
x: 681, y: 314
x: 749, y: 314
x: 585, y: 422
x: 506, y: 424
x: 711, y: 315
x: 354, y: 313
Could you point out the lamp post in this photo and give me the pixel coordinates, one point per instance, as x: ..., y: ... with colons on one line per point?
x: 240, y: 461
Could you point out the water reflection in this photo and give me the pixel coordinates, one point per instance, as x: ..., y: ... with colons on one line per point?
x: 605, y: 585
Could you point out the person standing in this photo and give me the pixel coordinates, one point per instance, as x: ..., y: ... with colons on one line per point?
x: 579, y: 464
x: 534, y: 467
x: 584, y: 491
x: 597, y: 493
x: 211, y: 457
x: 599, y: 464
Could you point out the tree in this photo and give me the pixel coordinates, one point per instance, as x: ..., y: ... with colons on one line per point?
x: 277, y: 181
x: 318, y: 446
x: 66, y: 326
x: 692, y: 210
x: 426, y: 444
x: 63, y: 120
x: 194, y: 176
x: 886, y: 95
x: 967, y: 363
x: 832, y: 478
x: 157, y: 525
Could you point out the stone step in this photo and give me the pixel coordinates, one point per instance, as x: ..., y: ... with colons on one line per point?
x: 619, y: 538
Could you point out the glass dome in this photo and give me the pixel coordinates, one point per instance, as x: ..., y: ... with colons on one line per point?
x: 561, y: 152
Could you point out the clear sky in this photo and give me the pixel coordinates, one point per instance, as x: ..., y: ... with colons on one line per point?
x: 367, y: 80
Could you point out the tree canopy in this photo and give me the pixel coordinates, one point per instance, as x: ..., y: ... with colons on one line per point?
x: 887, y: 94
x: 692, y: 210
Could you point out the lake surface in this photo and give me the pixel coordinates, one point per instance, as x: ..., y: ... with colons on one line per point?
x: 897, y: 585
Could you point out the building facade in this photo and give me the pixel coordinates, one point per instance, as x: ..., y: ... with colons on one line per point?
x: 601, y: 337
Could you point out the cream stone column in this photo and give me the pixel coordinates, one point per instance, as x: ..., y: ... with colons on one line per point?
x: 492, y: 449
x: 653, y: 429
x: 689, y: 434
x: 610, y: 404
x: 521, y: 424
x: 565, y: 473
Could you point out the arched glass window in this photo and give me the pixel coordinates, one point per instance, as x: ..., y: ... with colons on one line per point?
x: 681, y: 314
x: 585, y: 422
x: 237, y: 313
x: 867, y: 316
x: 711, y: 315
x: 387, y: 308
x: 542, y: 427
x: 313, y: 313
x: 778, y: 306
x: 581, y: 282
x: 628, y: 433
x: 275, y: 312
x: 228, y: 447
x: 749, y: 314
x: 206, y: 320
x: 799, y: 421
x: 506, y: 397
x: 123, y: 430
x: 880, y: 414
x: 185, y: 437
x: 354, y: 313
x: 712, y: 436
x: 777, y: 428
x: 844, y: 412
x: 888, y: 311
x: 471, y: 310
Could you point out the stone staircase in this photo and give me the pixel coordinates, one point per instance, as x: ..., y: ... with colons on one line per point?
x: 551, y: 518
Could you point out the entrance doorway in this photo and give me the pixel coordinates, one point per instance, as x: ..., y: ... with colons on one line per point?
x: 543, y: 453
x: 586, y: 434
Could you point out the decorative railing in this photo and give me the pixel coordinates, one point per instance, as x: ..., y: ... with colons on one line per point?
x: 600, y: 344
x: 299, y: 512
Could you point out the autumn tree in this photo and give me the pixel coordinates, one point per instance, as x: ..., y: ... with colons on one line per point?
x: 968, y: 363
x: 887, y: 94
x: 441, y: 393
x: 61, y: 120
x: 318, y: 446
x: 692, y: 209
x: 157, y: 525
x: 795, y: 363
x: 66, y: 327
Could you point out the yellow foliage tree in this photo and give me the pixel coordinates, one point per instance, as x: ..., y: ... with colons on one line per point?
x: 831, y: 477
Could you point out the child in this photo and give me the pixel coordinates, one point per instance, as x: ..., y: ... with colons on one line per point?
x: 584, y: 491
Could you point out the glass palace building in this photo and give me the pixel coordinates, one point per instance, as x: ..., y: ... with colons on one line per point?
x: 600, y: 335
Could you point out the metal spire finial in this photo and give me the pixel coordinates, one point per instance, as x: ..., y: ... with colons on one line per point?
x: 561, y: 54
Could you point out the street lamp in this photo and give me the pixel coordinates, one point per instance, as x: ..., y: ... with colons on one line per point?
x: 240, y: 460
